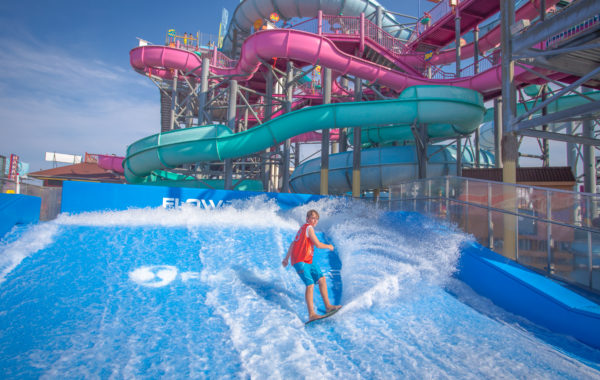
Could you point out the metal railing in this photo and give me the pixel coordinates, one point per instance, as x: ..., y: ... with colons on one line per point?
x: 551, y: 231
x: 221, y: 60
x: 573, y: 31
x: 392, y: 44
x: 309, y: 25
x: 486, y: 62
x: 434, y: 15
x: 341, y: 25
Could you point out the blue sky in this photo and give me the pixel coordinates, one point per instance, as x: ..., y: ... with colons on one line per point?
x: 65, y: 80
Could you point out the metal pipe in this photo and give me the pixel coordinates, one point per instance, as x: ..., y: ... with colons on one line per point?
x: 459, y: 157
x: 361, y: 46
x: 545, y: 147
x: 289, y: 97
x: 489, y: 216
x: 268, y: 114
x: 320, y: 22
x: 325, y: 135
x: 457, y: 40
x: 357, y: 144
x: 203, y: 95
x: 174, y: 96
x: 549, y: 230
x: 589, y: 160
x: 231, y: 115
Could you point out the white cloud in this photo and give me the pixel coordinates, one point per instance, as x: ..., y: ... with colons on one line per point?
x: 54, y: 100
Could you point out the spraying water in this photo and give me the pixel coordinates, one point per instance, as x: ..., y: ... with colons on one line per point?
x: 192, y: 292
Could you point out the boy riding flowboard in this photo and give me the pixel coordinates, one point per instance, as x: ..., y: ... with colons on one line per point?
x: 301, y: 251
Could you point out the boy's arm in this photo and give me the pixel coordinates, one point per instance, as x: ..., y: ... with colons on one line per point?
x: 316, y: 242
x: 287, y: 256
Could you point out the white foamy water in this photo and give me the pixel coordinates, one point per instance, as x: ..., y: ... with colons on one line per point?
x: 35, y: 239
x: 194, y: 293
x: 255, y: 213
x: 154, y: 276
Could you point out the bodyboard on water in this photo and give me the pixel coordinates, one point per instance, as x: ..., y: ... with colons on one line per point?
x: 324, y: 316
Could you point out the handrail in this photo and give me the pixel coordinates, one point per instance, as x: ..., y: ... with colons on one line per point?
x: 575, y: 239
x: 485, y: 62
x: 435, y: 14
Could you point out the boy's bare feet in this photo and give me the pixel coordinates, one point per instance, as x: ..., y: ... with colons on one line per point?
x: 333, y: 308
x: 314, y: 316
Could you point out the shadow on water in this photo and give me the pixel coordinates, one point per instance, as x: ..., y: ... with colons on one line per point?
x: 269, y: 290
x: 336, y: 278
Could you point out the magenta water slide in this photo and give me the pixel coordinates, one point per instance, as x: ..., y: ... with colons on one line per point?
x: 310, y: 49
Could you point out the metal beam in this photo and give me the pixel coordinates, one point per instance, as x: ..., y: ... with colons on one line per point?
x: 289, y: 98
x: 231, y: 115
x: 534, y: 53
x: 556, y: 96
x: 558, y: 137
x: 356, y: 154
x: 577, y: 12
x: 591, y: 108
x: 324, y: 184
x: 553, y: 81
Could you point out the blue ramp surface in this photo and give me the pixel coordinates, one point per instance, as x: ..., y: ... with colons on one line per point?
x: 193, y: 292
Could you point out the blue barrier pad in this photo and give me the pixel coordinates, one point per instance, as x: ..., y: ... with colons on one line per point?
x: 550, y: 288
x: 527, y: 293
x: 80, y: 197
x: 18, y: 209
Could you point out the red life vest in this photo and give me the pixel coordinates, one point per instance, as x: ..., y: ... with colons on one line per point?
x: 302, y: 250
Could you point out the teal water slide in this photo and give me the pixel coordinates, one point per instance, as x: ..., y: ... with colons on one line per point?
x: 381, y: 167
x: 447, y: 111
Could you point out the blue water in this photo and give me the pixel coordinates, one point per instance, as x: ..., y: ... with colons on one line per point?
x: 194, y: 293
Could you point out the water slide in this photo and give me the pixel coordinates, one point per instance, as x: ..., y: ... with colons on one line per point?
x: 443, y: 109
x: 311, y: 49
x: 249, y: 11
x: 380, y: 168
x: 299, y: 46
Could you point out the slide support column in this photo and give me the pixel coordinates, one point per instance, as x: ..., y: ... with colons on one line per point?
x: 174, y: 96
x: 203, y: 96
x: 231, y: 113
x: 325, y: 136
x: 289, y: 97
x: 476, y: 71
x: 457, y: 33
x: 509, y: 140
x: 357, y: 143
x: 458, y: 157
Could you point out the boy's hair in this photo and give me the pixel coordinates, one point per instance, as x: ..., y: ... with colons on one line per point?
x: 311, y: 212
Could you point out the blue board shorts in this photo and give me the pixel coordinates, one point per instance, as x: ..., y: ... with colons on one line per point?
x: 309, y: 273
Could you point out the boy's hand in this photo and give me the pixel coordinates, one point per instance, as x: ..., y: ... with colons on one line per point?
x: 284, y: 262
x: 331, y: 247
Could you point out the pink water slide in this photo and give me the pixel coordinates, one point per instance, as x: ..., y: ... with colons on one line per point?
x: 113, y: 163
x: 311, y: 49
x: 317, y: 49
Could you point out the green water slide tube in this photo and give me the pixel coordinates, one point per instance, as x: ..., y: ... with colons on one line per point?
x: 448, y: 111
x: 165, y: 178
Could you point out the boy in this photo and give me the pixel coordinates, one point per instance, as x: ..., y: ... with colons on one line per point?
x: 301, y: 250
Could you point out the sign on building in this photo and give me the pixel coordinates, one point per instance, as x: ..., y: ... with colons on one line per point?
x: 13, y: 169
